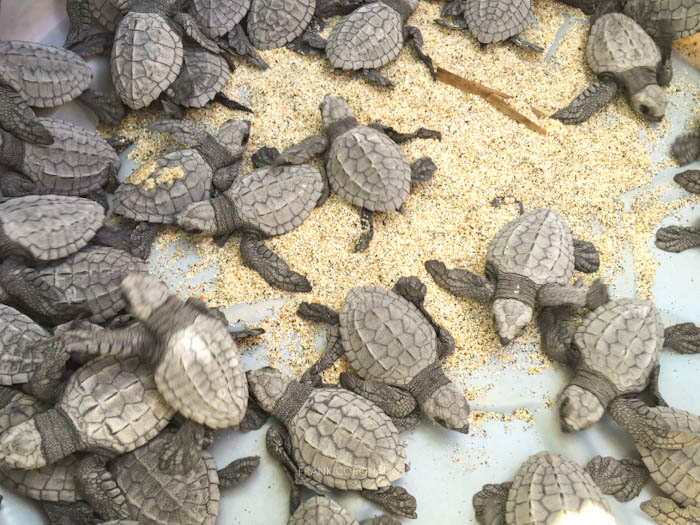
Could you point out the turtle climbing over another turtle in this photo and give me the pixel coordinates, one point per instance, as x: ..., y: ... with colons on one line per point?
x: 320, y: 510
x: 275, y: 23
x: 548, y: 488
x: 529, y: 263
x: 492, y: 20
x: 622, y: 54
x: 680, y: 238
x: 391, y: 340
x: 108, y: 405
x: 336, y: 439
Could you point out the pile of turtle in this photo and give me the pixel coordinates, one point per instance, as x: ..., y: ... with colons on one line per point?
x: 112, y: 387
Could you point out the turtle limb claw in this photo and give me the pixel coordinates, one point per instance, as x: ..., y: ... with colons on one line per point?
x: 237, y: 43
x: 457, y: 25
x: 399, y: 138
x: 677, y: 238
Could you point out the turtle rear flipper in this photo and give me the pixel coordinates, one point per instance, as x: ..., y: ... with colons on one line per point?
x: 400, y: 138
x: 689, y: 180
x: 375, y: 77
x: 490, y: 504
x: 179, y: 454
x: 237, y: 42
x: 594, y: 97
x: 414, y: 38
x: 79, y: 19
x: 271, y: 266
x: 19, y: 119
x: 461, y: 283
x: 422, y: 170
x: 238, y: 471
x: 394, y: 499
x: 100, y: 489
x: 686, y: 148
x: 683, y: 338
x: 333, y: 351
x: 667, y: 512
x: 622, y: 479
x: 677, y: 238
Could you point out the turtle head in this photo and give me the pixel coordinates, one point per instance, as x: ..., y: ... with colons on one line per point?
x: 234, y: 135
x: 267, y: 385
x: 334, y: 109
x: 650, y: 102
x: 579, y: 409
x: 21, y: 447
x: 198, y: 217
x: 143, y: 294
x: 510, y: 318
x: 448, y: 408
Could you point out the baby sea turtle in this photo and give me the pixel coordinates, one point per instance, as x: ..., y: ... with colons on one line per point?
x: 337, y: 439
x: 548, y: 488
x: 320, y: 510
x: 622, y: 54
x: 108, y: 405
x: 133, y: 486
x: 218, y: 17
x: 363, y: 163
x: 679, y: 238
x: 42, y: 76
x: 275, y: 23
x: 682, y: 15
x: 530, y: 262
x: 492, y: 20
x: 390, y: 339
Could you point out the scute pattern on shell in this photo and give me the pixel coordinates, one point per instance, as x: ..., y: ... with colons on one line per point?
x: 153, y: 497
x: 146, y: 58
x: 683, y: 14
x: 621, y: 340
x: 17, y: 332
x: 368, y: 38
x: 368, y: 170
x: 158, y: 202
x: 617, y: 44
x: 217, y: 17
x: 105, y: 12
x: 77, y: 163
x: 50, y: 483
x: 276, y: 200
x: 125, y: 412
x: 92, y: 277
x: 538, y: 245
x: 549, y: 487
x: 346, y: 442
x: 20, y: 408
x: 202, y: 76
x: 497, y: 20
x: 321, y: 510
x: 275, y: 23
x: 45, y: 76
x: 385, y: 336
x: 51, y: 227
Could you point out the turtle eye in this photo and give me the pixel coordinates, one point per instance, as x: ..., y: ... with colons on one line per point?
x: 644, y: 109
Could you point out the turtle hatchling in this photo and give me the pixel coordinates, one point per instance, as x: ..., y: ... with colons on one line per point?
x: 623, y: 55
x: 337, y: 439
x: 680, y: 238
x: 275, y: 23
x: 547, y: 489
x: 682, y: 15
x: 108, y: 405
x: 529, y: 263
x: 390, y: 339
x: 320, y: 510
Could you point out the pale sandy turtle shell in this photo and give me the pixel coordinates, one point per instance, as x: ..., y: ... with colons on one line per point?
x: 618, y: 44
x: 621, y: 341
x: 18, y: 361
x: 276, y: 200
x: 106, y: 13
x: 44, y: 76
x: 368, y: 38
x: 77, y: 163
x: 537, y: 245
x: 218, y: 17
x: 92, y: 277
x: 368, y: 170
x: 275, y: 23
x: 50, y: 227
x: 683, y: 14
x: 385, y: 336
x: 321, y: 510
x: 156, y: 498
x: 201, y: 78
x: 497, y: 20
x: 146, y: 58
x: 346, y: 442
x: 550, y: 488
x: 50, y: 483
x: 158, y: 190
x: 17, y: 407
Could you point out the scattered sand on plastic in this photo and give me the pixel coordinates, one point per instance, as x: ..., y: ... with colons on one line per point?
x: 581, y: 171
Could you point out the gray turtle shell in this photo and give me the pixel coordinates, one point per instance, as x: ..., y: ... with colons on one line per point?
x: 276, y: 200
x: 218, y: 17
x: 368, y: 38
x: 50, y: 227
x: 346, y: 442
x: 621, y: 341
x: 202, y: 76
x: 93, y: 277
x: 320, y: 510
x: 77, y: 163
x: 683, y: 14
x: 497, y: 20
x: 146, y: 58
x: 617, y: 44
x: 537, y: 245
x: 153, y: 497
x: 385, y: 336
x: 368, y: 170
x: 18, y: 361
x: 275, y: 23
x: 45, y: 76
x: 549, y: 487
x: 50, y: 483
x: 106, y: 13
x: 18, y: 408
x: 171, y: 183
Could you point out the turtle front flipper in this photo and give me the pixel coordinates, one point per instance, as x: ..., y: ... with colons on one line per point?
x: 586, y: 257
x: 396, y: 402
x: 76, y: 513
x: 12, y: 184
x: 683, y: 338
x: 461, y: 283
x: 106, y: 105
x: 594, y: 97
x: 414, y: 38
x: 270, y: 266
x: 621, y: 478
x: 490, y: 503
x: 552, y: 294
x: 686, y: 148
x: 664, y: 40
x: 179, y: 450
x: 46, y: 382
x: 525, y: 45
x: 394, y: 499
x: 237, y: 43
x: 100, y: 489
x: 556, y: 327
x: 237, y: 471
x: 19, y: 119
x: 302, y: 152
x: 375, y: 77
x: 79, y: 21
x: 189, y: 26
x: 94, y: 45
x: 309, y: 43
x: 255, y: 417
x: 334, y: 347
x: 667, y: 512
x: 677, y: 238
x: 231, y: 104
x: 400, y: 138
x: 135, y: 240
x: 688, y: 180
